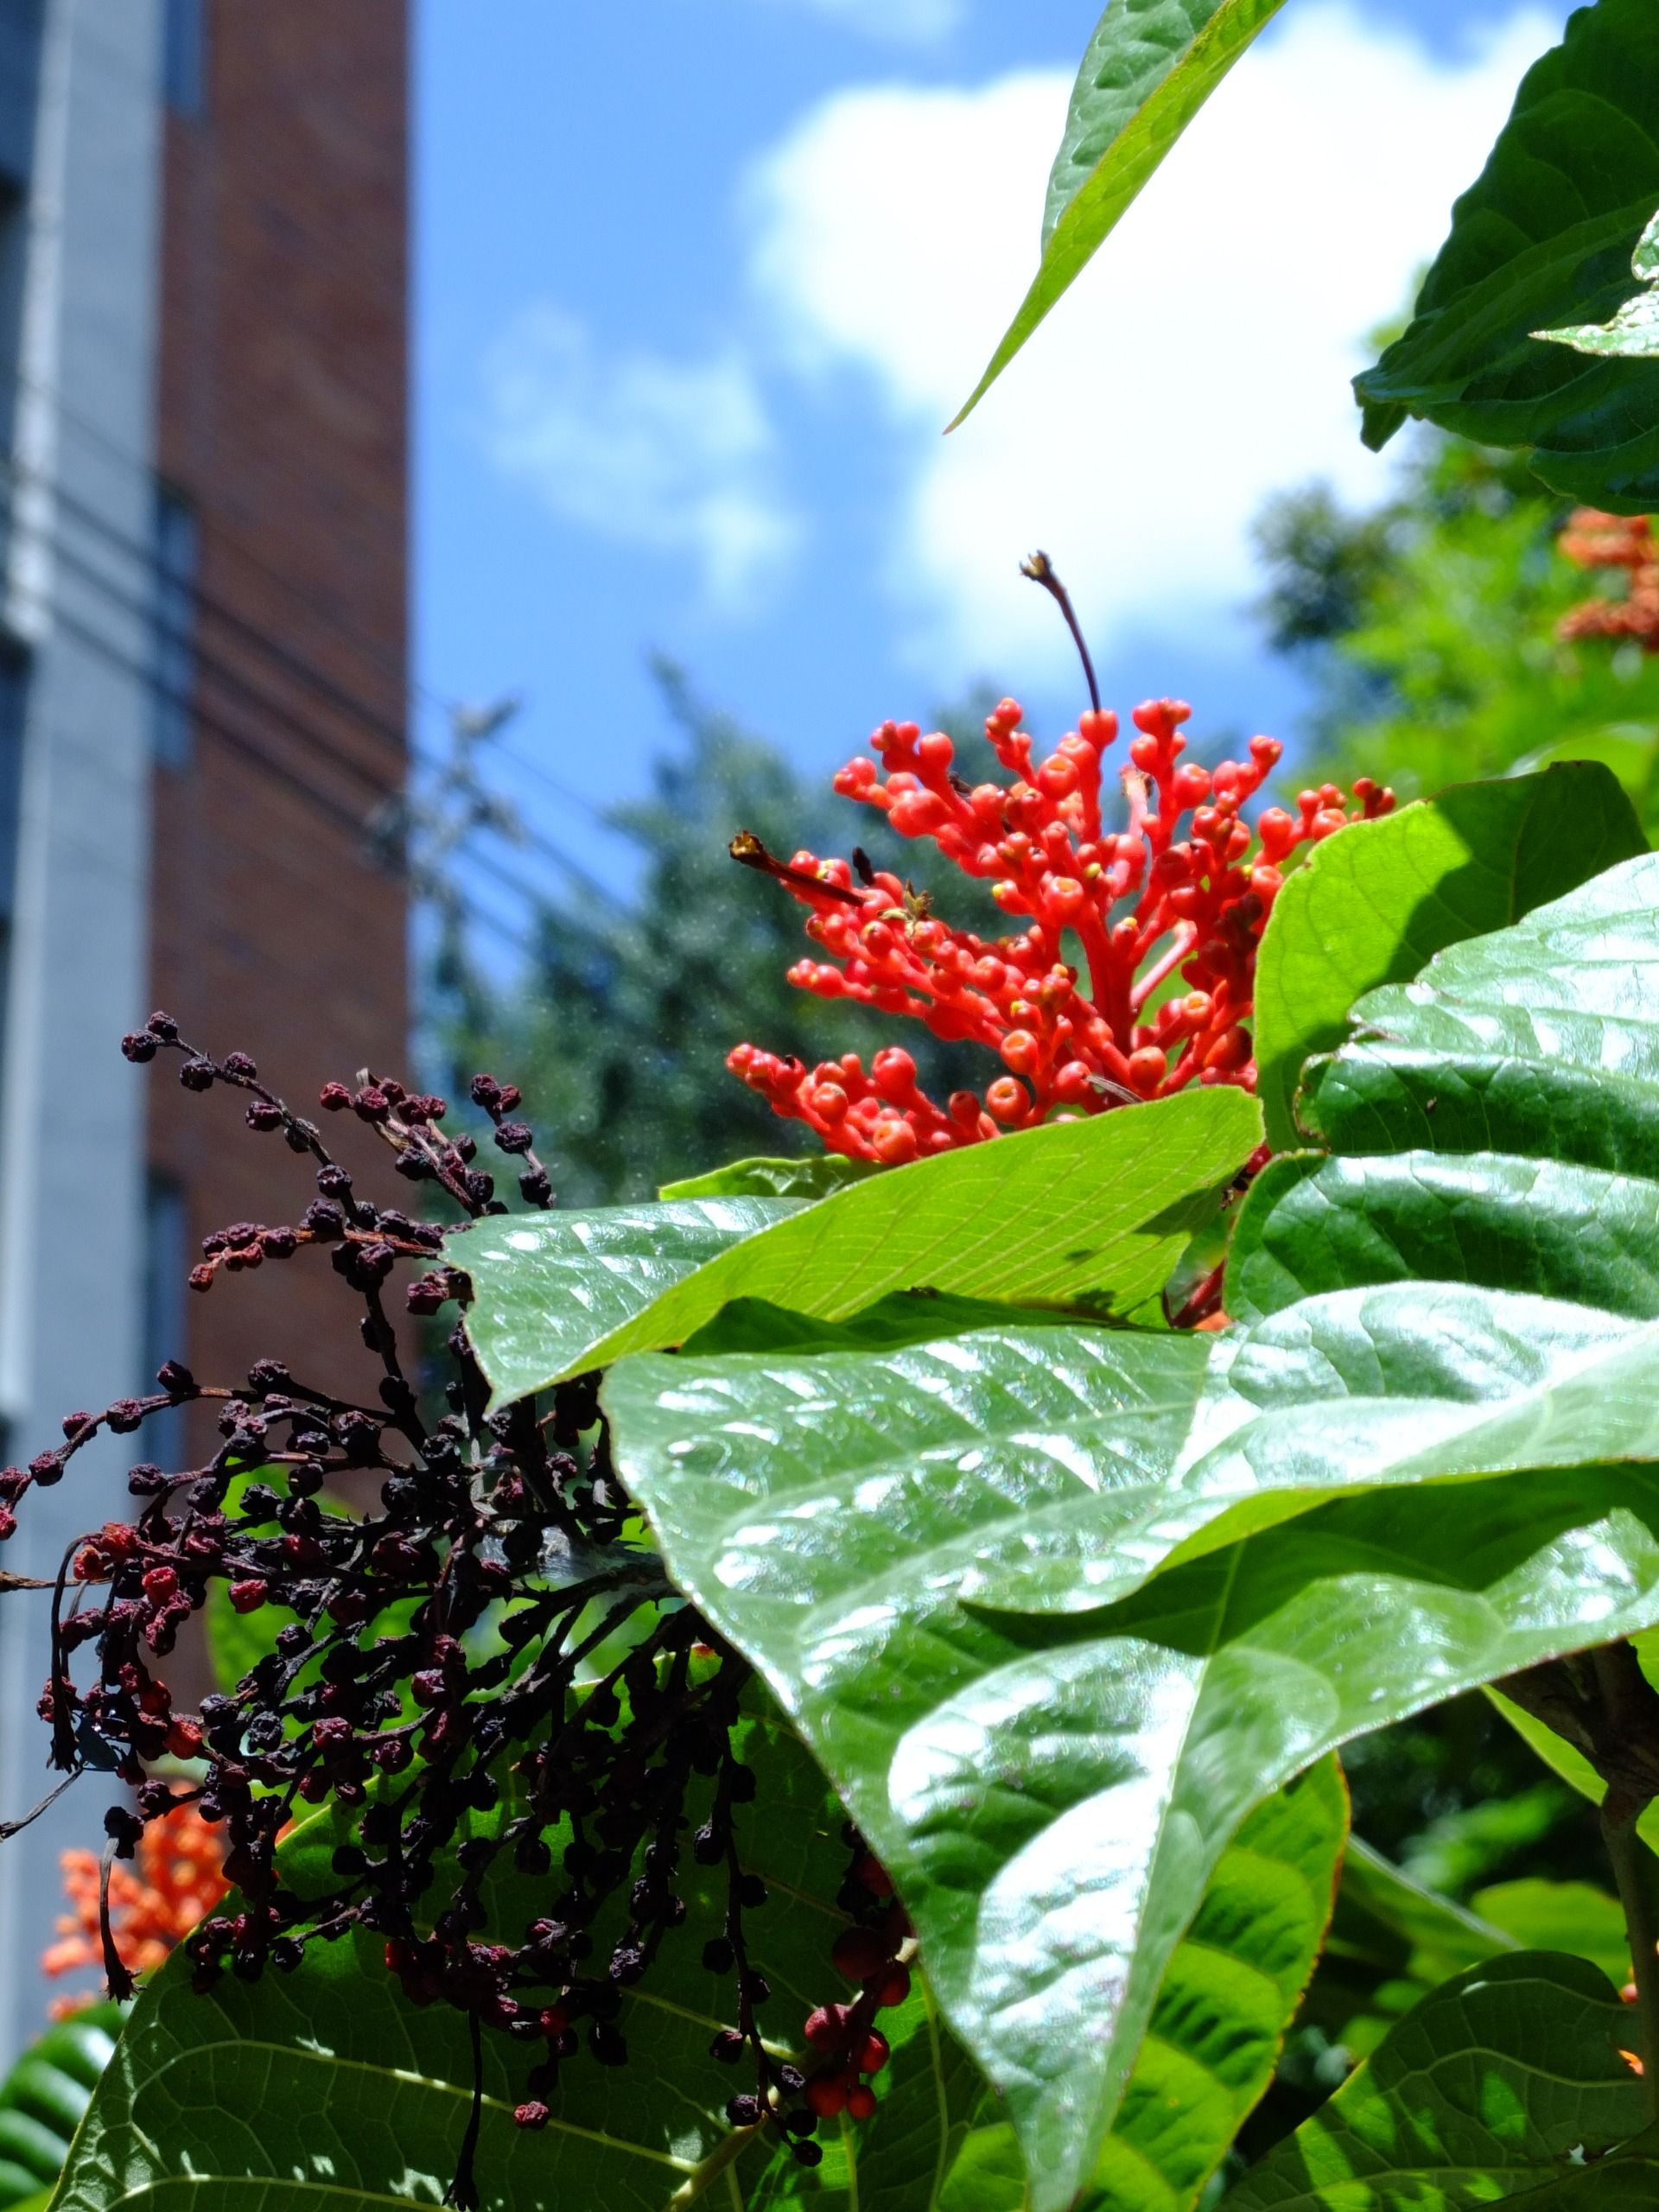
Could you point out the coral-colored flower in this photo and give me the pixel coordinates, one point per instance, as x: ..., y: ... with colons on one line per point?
x: 1183, y: 889
x: 175, y: 1883
x: 1595, y: 540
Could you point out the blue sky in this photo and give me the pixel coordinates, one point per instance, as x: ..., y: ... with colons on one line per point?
x: 693, y: 307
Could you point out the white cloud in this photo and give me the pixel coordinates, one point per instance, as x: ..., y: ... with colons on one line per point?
x: 1199, y: 365
x: 671, y: 456
x: 916, y: 22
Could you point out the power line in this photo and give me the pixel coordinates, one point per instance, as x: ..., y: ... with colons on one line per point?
x: 144, y: 469
x: 214, y: 608
x: 343, y: 816
x: 283, y: 717
x: 305, y: 672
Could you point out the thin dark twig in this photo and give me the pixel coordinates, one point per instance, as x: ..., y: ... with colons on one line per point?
x: 462, y: 2192
x: 1040, y: 569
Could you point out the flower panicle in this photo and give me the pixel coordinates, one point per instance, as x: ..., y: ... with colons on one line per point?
x: 177, y: 1879
x: 1182, y: 891
x: 1595, y: 540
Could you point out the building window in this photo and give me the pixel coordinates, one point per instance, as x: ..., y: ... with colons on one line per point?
x: 167, y: 1261
x: 13, y: 700
x: 184, y: 56
x: 176, y: 627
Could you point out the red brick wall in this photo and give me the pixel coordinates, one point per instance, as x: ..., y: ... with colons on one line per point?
x: 283, y: 420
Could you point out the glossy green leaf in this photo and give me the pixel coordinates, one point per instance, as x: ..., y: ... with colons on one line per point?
x: 904, y: 1316
x: 1493, y: 1122
x: 550, y: 1288
x: 1072, y: 1463
x: 1542, y: 1040
x: 1563, y: 1230
x: 1560, y: 1917
x: 1149, y: 67
x: 1543, y: 241
x: 813, y: 1177
x: 1487, y: 2090
x: 1052, y: 1790
x: 1092, y: 1213
x: 1228, y: 1996
x: 42, y: 2099
x: 1373, y: 903
x: 326, y: 2090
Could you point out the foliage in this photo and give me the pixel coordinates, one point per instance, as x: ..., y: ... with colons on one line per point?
x: 1131, y: 1187
x: 1473, y: 858
x: 43, y: 2097
x: 910, y: 1701
x: 1544, y: 239
x: 1147, y: 70
x: 1543, y: 244
x: 1054, y: 1491
x: 1494, y: 2082
x: 1430, y: 630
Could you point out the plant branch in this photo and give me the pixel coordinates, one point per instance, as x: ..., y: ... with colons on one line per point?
x: 1633, y: 1871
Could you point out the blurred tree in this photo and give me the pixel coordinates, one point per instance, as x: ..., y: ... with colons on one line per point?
x: 1430, y: 629
x: 618, y: 1029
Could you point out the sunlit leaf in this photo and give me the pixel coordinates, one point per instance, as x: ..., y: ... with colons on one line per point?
x: 1374, y: 903
x: 813, y: 1177
x: 1092, y: 1213
x: 1149, y: 67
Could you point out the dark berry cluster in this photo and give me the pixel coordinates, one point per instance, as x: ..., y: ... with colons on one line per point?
x: 440, y: 1676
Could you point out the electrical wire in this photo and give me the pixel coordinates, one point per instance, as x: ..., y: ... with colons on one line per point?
x: 283, y: 717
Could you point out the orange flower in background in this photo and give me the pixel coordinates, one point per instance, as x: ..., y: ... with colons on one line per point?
x: 1595, y: 540
x: 175, y: 1883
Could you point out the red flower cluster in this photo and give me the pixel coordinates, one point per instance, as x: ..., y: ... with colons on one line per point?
x: 1182, y: 891
x: 1594, y: 540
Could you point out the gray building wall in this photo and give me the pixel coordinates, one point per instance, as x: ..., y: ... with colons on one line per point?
x: 88, y: 117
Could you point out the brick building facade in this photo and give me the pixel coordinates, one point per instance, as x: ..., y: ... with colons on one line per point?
x: 203, y: 253
x: 281, y: 438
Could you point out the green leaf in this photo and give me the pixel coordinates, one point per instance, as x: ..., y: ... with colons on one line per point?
x: 1229, y: 1993
x: 1374, y: 903
x: 1633, y: 331
x: 1544, y: 240
x: 1560, y: 1917
x: 918, y: 1547
x: 43, y: 2098
x: 1091, y: 1213
x: 904, y: 1316
x: 1052, y: 1791
x: 1486, y: 2091
x: 325, y: 2087
x: 815, y: 1176
x: 1228, y: 1996
x: 548, y: 1288
x: 1571, y: 1765
x: 1541, y: 1040
x: 1149, y: 67
x: 1433, y: 1928
x: 1492, y: 1122
x: 1079, y: 1462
